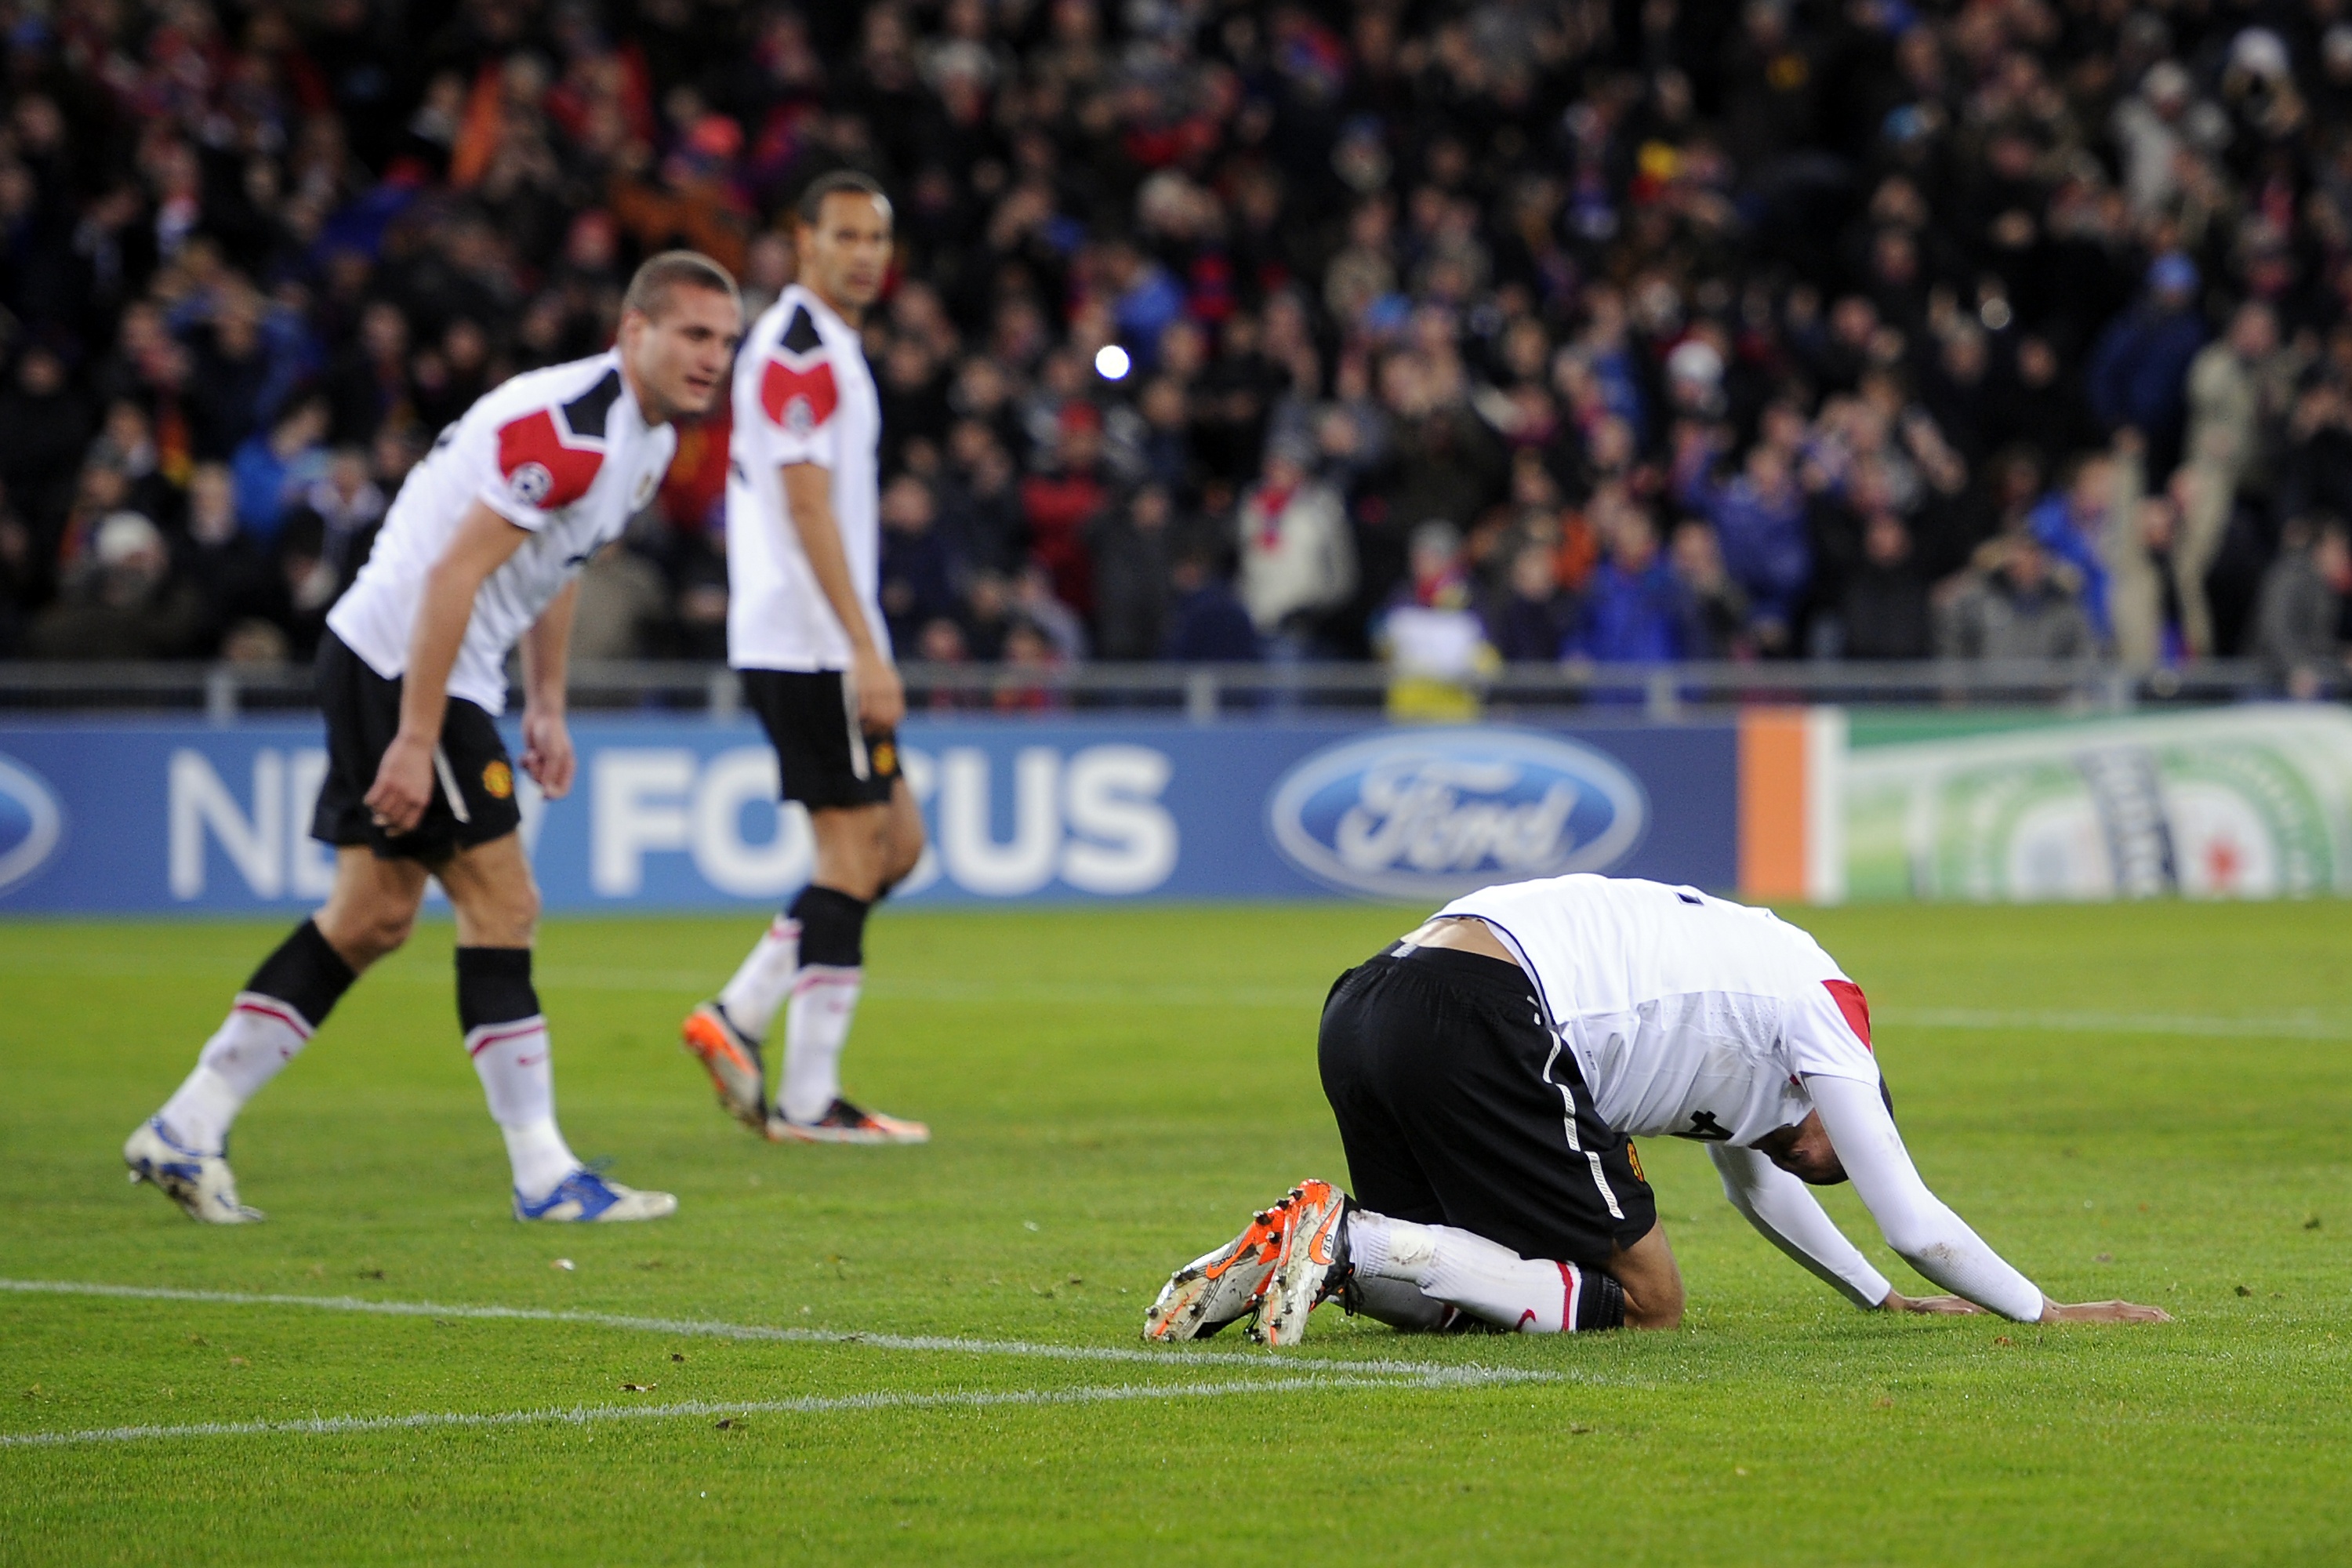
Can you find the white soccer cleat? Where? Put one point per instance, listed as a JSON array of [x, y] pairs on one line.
[[733, 1060], [1312, 1266], [202, 1185], [845, 1124], [586, 1196], [1222, 1288]]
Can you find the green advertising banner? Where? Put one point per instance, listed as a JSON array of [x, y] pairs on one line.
[[2243, 803]]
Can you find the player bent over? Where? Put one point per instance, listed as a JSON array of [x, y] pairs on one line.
[[804, 626], [1487, 1072], [481, 552]]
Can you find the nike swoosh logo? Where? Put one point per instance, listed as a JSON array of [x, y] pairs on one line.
[[1318, 1245], [531, 1061]]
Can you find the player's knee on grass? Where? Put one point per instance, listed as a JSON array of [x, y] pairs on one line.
[[1653, 1282]]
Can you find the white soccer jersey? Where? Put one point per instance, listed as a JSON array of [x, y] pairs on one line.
[[563, 453], [802, 395], [1687, 1014]]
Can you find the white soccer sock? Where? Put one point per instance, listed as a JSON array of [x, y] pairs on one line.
[[258, 1037], [1399, 1304], [816, 1026], [1484, 1278], [751, 998], [511, 1059]]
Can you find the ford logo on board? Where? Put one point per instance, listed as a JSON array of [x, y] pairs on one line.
[[1434, 813], [30, 823]]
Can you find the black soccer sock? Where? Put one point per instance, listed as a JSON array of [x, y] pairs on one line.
[[494, 987], [833, 927], [1603, 1305], [306, 972]]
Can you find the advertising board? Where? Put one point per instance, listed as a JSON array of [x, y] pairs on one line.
[[680, 813]]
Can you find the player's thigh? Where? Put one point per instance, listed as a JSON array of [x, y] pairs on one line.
[[1382, 1174], [1653, 1281], [372, 905], [1496, 1124], [494, 894]]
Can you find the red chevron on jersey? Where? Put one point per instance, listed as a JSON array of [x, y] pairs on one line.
[[798, 392], [1855, 1006], [543, 468]]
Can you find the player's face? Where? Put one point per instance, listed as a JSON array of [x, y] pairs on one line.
[[1804, 1151], [680, 358], [845, 254]]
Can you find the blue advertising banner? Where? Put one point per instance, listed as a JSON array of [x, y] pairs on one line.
[[680, 814]]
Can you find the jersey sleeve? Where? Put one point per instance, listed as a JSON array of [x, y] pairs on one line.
[[1826, 1028], [1918, 1225], [799, 398], [533, 467]]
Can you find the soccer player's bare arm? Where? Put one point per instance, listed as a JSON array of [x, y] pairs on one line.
[[546, 648], [404, 781], [808, 498]]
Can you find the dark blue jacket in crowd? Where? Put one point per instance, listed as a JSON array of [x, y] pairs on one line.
[[1208, 626], [1645, 617], [2139, 372], [1764, 544]]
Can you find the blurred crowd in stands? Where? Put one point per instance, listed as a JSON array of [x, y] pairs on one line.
[[1447, 331]]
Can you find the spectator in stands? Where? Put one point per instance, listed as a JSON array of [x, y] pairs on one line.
[[1299, 560], [1132, 544], [2138, 372], [1638, 611], [1530, 622], [1759, 525], [123, 603], [2015, 602], [1722, 623], [2238, 388], [275, 467], [1207, 622], [2299, 622], [1430, 637], [1884, 613]]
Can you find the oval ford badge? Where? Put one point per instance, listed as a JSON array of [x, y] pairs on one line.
[[1434, 813], [30, 823]]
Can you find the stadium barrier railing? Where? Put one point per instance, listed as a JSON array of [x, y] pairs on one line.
[[1205, 693]]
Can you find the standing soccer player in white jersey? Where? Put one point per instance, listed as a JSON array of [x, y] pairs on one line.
[[1488, 1072], [804, 626], [481, 552]]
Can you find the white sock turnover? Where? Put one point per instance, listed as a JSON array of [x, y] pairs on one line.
[[751, 998], [254, 1043], [1484, 1278], [520, 1082], [816, 1026]]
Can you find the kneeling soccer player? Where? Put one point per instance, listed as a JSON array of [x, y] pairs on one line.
[[482, 550], [1487, 1072]]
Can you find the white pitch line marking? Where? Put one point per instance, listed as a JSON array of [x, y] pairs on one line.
[[583, 1415], [1430, 1373]]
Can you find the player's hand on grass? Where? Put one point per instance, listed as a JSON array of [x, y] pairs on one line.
[[881, 696], [404, 784], [547, 754], [1947, 1306], [2102, 1312]]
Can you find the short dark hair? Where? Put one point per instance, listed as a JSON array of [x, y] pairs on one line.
[[811, 206], [662, 275]]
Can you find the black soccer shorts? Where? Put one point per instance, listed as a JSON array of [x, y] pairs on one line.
[[825, 757], [473, 797], [1455, 1109]]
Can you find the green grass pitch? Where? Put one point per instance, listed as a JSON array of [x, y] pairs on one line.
[[2148, 1102]]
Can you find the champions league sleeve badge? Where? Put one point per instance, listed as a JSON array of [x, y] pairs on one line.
[[530, 483]]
